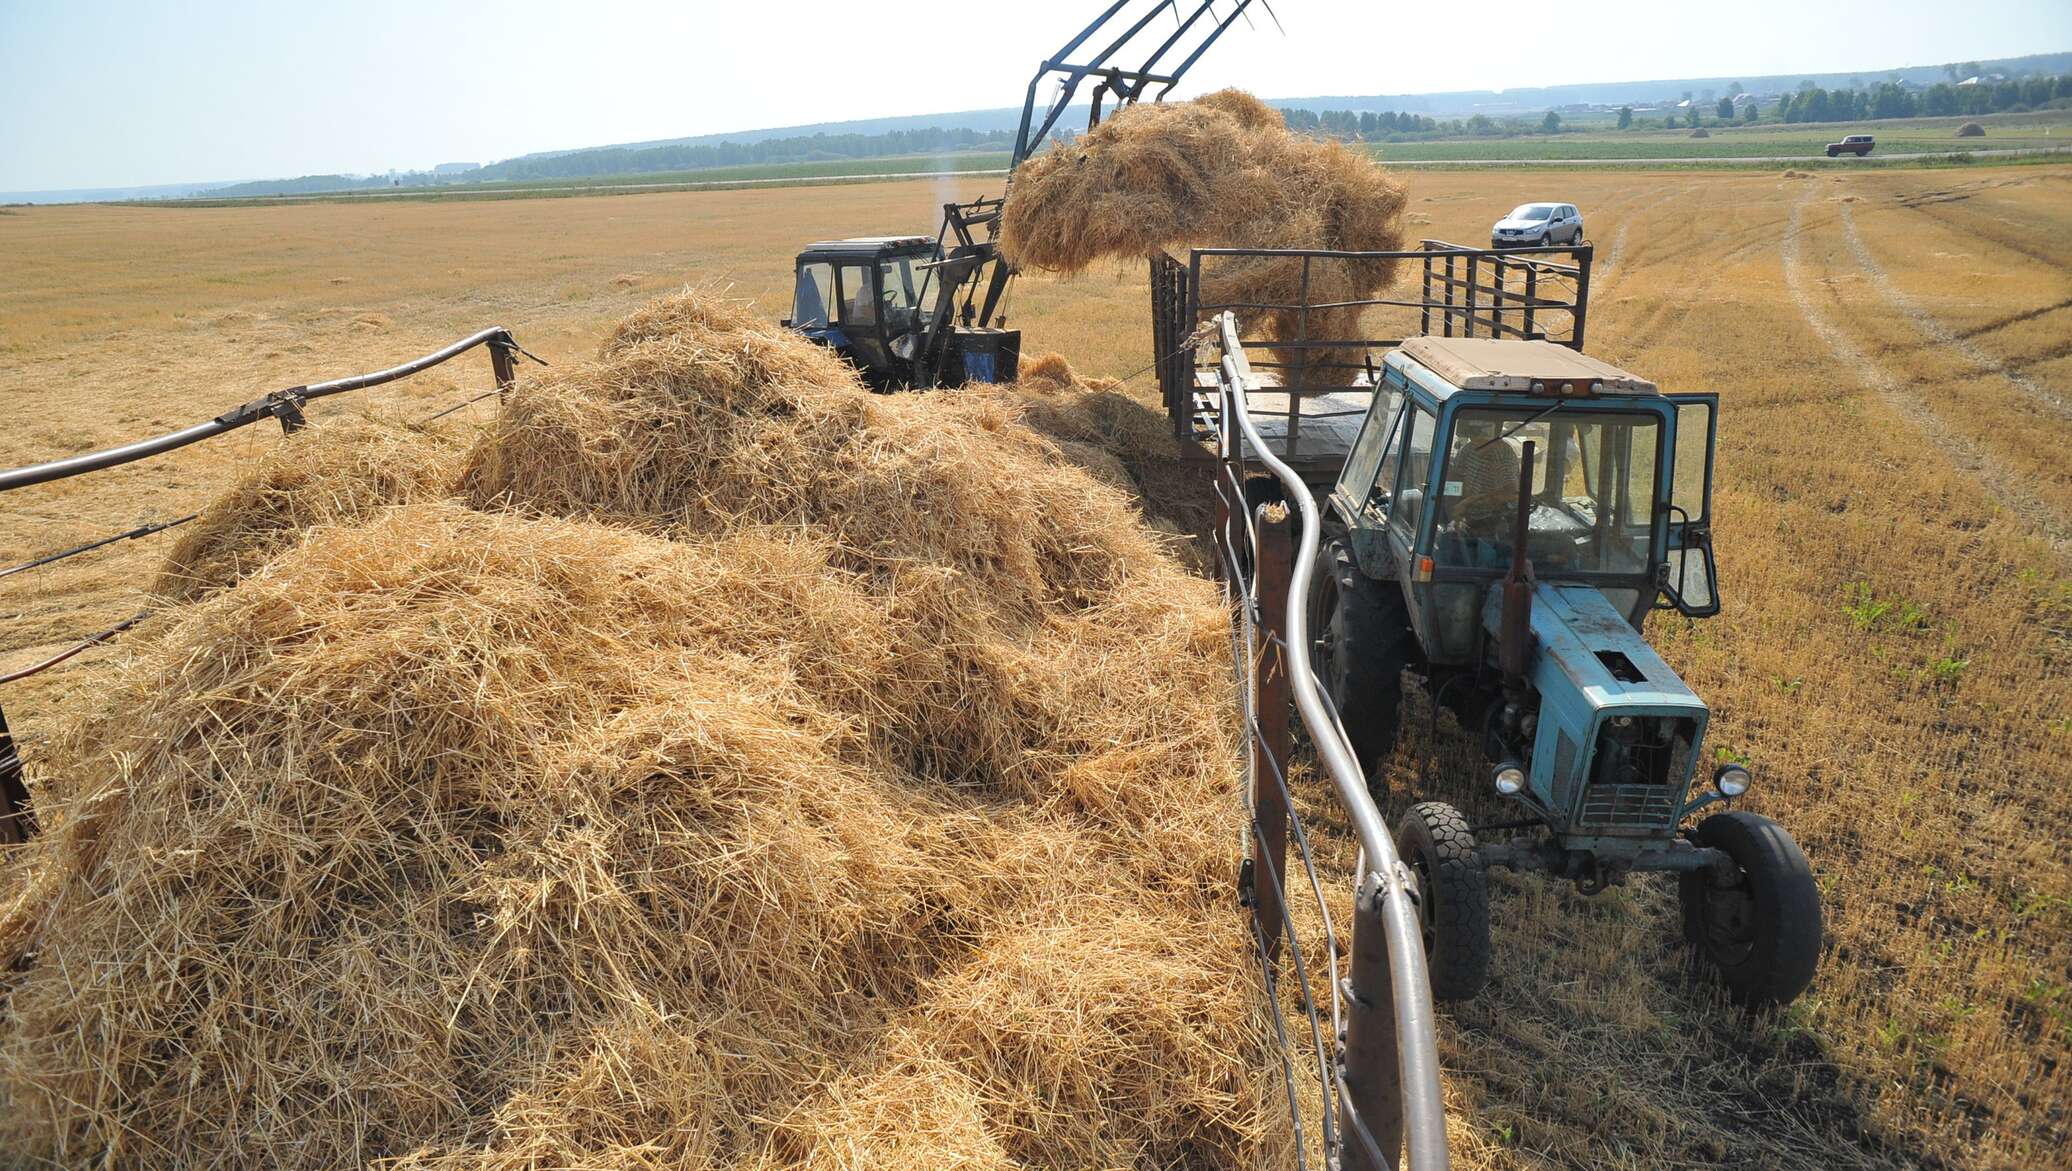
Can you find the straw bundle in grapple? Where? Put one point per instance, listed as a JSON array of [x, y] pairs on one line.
[[1221, 171], [739, 770]]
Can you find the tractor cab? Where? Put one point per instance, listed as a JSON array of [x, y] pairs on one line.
[[863, 298], [1618, 500], [878, 301]]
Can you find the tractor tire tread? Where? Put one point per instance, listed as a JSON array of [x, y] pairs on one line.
[[1378, 630], [1787, 908], [1460, 953]]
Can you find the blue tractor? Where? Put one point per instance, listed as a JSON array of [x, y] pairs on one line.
[[1508, 515]]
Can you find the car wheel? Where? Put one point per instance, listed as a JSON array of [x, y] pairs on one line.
[[1452, 897], [1763, 935], [1362, 644], [1832, 153], [1546, 239]]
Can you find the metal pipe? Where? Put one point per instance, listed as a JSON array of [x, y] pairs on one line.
[[1424, 1109], [251, 412]]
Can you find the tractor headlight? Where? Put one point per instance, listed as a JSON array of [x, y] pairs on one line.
[[1731, 780], [1510, 778]]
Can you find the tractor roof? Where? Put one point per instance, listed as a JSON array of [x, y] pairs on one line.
[[869, 245], [1508, 365]]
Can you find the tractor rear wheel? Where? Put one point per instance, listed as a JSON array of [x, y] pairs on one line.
[[1361, 642], [1763, 935], [1452, 897]]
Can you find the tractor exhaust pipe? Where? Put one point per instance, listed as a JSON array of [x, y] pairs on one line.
[[1514, 641]]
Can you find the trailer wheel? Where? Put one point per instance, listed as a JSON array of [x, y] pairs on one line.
[[1452, 897], [1764, 934], [1360, 643]]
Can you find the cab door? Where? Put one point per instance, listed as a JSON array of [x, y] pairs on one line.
[[859, 299], [1688, 578]]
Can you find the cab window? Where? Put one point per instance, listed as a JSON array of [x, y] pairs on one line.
[[859, 307], [1414, 460], [1368, 477], [1591, 501], [816, 287]]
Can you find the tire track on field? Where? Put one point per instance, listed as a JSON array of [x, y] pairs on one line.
[[1937, 331], [2003, 485], [1615, 256]]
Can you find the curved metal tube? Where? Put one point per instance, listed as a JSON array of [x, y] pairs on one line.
[[1424, 1109], [252, 412]]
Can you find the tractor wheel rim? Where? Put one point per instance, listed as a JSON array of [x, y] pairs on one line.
[[1321, 660], [1427, 914], [1730, 924]]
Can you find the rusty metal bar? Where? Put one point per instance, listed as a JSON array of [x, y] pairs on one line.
[[1369, 1072], [1301, 363], [1424, 313], [1473, 277], [17, 820], [1532, 289], [1450, 281], [1584, 255], [502, 366], [1273, 563], [83, 645]]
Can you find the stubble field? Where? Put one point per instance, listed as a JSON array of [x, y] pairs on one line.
[[1894, 351]]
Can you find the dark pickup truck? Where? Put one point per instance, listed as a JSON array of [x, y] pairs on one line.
[[1855, 144]]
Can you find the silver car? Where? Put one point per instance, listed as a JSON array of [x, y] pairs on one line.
[[1538, 225]]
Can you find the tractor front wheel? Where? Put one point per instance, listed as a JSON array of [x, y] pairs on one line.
[[1452, 897], [1763, 933]]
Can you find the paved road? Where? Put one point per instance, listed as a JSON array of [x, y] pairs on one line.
[[1794, 160]]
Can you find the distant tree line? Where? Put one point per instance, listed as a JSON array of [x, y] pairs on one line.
[[1391, 126], [800, 148], [1809, 104], [1892, 100]]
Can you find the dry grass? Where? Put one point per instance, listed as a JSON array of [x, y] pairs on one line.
[[1893, 657]]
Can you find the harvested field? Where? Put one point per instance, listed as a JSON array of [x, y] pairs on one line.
[[1893, 659]]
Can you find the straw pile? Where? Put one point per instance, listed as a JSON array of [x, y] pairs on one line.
[[1220, 171], [717, 765]]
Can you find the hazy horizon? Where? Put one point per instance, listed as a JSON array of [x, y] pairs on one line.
[[129, 95]]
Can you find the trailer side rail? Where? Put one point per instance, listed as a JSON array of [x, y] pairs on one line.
[[1378, 1075]]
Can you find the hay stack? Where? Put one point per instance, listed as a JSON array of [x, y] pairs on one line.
[[342, 472], [1220, 171], [735, 769]]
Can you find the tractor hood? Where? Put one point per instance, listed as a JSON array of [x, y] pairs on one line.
[[1619, 733], [1581, 643]]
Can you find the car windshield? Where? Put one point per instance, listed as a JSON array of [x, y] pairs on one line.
[[1593, 490], [1532, 211]]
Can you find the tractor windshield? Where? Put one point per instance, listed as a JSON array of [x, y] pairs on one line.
[[1592, 493], [903, 291]]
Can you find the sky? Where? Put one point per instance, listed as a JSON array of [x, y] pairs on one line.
[[108, 93]]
